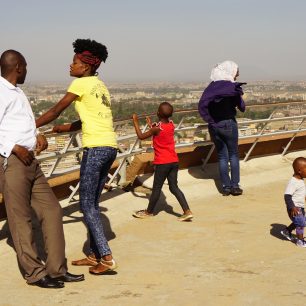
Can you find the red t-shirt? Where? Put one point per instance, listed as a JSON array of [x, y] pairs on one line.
[[164, 144]]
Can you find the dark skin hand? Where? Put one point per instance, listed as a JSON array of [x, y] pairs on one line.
[[294, 212], [23, 154], [149, 122], [61, 128], [27, 156], [151, 132], [41, 144]]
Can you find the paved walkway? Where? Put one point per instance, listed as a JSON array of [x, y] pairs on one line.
[[231, 254]]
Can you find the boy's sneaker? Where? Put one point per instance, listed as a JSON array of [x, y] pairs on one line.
[[301, 243], [287, 234], [142, 214], [185, 217]]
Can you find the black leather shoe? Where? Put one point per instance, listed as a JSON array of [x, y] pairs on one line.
[[236, 191], [226, 192], [48, 282], [68, 277]]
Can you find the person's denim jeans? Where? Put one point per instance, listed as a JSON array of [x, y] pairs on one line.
[[225, 138], [95, 165]]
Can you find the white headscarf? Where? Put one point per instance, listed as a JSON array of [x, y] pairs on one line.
[[225, 71]]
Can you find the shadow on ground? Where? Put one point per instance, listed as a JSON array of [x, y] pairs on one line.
[[209, 172], [68, 212], [161, 205], [276, 229]]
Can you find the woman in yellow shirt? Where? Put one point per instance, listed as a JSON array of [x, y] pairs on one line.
[[92, 102]]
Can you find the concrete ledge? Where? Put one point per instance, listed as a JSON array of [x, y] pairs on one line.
[[188, 156], [193, 155]]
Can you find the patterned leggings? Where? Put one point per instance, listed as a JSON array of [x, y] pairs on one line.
[[95, 165]]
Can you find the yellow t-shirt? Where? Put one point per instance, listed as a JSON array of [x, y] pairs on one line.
[[93, 107]]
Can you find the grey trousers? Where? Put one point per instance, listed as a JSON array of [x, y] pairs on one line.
[[23, 188]]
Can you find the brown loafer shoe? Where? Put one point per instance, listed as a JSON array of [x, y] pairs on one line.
[[103, 266], [90, 260]]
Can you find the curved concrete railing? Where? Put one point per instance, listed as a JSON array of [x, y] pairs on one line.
[[64, 145], [61, 161]]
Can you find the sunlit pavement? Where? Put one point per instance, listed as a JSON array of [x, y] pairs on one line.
[[232, 253]]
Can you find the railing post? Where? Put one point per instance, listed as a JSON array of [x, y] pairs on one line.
[[122, 173], [123, 161], [292, 138], [64, 150], [205, 161], [74, 190], [179, 125], [256, 140]]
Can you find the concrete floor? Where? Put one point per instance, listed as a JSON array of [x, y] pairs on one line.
[[230, 254]]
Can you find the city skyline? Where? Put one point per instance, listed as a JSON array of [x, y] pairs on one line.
[[174, 41]]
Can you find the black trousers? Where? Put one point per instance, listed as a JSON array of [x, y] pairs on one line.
[[169, 172]]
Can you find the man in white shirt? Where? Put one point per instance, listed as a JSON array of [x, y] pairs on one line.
[[24, 185]]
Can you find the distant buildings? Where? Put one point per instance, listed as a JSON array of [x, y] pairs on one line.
[[182, 96]]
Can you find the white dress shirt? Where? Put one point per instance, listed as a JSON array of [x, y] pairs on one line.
[[17, 122]]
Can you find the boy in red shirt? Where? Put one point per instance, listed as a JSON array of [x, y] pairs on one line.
[[165, 160]]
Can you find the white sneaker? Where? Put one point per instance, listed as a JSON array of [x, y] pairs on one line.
[[301, 243], [287, 234]]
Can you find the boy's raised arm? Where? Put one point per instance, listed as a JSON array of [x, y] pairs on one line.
[[151, 132]]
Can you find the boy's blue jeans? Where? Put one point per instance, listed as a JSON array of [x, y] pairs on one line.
[[298, 221], [225, 137], [95, 165]]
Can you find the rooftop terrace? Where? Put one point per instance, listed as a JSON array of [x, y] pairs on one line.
[[230, 254]]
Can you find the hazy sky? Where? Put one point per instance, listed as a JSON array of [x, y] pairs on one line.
[[160, 40]]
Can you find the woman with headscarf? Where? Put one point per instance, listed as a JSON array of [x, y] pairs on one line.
[[92, 102], [217, 107]]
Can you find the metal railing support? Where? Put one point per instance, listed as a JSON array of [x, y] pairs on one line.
[[64, 150], [123, 161], [74, 190], [180, 124], [292, 138], [256, 140], [205, 161], [73, 145]]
